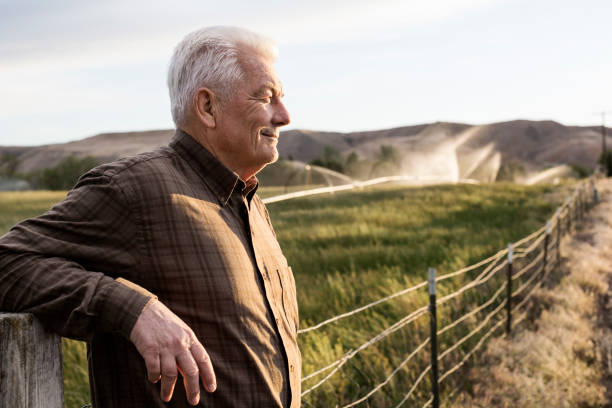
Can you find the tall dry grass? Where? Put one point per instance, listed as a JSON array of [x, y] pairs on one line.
[[562, 356]]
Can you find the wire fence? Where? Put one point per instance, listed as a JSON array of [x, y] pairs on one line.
[[495, 298]]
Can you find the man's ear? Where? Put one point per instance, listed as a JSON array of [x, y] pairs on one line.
[[204, 102]]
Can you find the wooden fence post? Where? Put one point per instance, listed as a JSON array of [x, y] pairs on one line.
[[30, 364]]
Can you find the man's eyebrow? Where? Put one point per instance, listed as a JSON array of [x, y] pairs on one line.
[[269, 87]]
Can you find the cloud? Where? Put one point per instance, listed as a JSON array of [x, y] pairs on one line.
[[48, 35]]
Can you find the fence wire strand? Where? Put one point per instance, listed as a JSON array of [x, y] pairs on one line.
[[428, 403], [476, 282], [362, 308], [529, 237], [534, 245], [493, 258], [527, 267], [386, 381], [394, 327], [473, 312], [527, 282], [416, 383], [474, 331], [478, 345]]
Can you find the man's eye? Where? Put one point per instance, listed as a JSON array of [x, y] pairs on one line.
[[266, 99]]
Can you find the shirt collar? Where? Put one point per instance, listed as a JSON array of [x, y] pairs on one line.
[[219, 178]]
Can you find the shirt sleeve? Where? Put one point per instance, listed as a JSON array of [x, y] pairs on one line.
[[62, 266]]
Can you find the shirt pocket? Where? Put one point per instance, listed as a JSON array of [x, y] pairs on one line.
[[290, 305]]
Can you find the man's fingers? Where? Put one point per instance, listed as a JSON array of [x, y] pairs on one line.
[[191, 380], [168, 376], [153, 367], [205, 366]]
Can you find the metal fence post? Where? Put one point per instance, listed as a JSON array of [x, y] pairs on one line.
[[509, 292], [582, 202], [580, 209], [569, 216], [546, 237], [434, 338], [559, 226]]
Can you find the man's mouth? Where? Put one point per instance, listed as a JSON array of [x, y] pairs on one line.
[[269, 133]]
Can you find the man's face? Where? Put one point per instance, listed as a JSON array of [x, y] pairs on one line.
[[248, 124]]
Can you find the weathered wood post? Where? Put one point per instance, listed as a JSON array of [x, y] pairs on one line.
[[30, 364]]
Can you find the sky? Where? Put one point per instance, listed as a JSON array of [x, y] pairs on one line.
[[73, 69]]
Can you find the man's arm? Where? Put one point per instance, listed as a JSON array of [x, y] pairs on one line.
[[62, 267]]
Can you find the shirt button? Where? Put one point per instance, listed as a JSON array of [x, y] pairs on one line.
[[277, 322], [291, 368]]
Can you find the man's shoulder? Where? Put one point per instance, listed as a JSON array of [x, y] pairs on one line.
[[137, 165], [136, 175]]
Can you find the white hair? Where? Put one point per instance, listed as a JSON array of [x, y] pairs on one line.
[[209, 58]]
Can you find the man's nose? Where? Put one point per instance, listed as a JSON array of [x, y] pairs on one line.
[[281, 115]]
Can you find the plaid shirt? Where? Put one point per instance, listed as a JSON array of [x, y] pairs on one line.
[[176, 222]]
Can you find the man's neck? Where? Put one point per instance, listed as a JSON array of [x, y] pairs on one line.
[[204, 140]]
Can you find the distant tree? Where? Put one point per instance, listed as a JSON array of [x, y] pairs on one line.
[[356, 167], [388, 161], [606, 161], [580, 170], [351, 159], [390, 154], [8, 164], [510, 172], [330, 159], [64, 175]]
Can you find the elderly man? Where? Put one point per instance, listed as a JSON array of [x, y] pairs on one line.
[[166, 262]]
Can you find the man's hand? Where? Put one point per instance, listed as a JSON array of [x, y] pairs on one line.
[[169, 346]]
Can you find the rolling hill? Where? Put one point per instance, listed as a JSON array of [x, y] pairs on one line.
[[519, 150]]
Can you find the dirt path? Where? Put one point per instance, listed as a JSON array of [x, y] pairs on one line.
[[562, 356]]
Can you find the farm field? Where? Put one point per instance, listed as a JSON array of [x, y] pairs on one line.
[[351, 248]]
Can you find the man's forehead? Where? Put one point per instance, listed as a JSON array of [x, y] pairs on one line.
[[261, 76]]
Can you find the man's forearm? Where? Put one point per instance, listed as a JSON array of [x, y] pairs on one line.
[[66, 298]]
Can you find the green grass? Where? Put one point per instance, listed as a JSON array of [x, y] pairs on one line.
[[350, 248], [19, 205]]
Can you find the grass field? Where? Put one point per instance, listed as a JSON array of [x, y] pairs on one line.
[[350, 248]]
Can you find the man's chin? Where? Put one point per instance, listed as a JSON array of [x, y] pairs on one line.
[[272, 155]]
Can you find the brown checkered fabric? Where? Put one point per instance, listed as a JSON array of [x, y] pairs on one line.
[[176, 222]]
